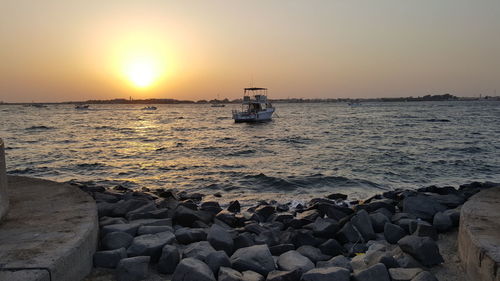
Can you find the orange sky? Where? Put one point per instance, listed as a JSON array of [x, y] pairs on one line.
[[60, 50]]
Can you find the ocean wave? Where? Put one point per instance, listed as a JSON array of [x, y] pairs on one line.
[[312, 181], [241, 152], [91, 166], [296, 140], [437, 120], [29, 170], [39, 128]]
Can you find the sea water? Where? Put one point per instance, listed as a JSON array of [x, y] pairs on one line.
[[307, 150]]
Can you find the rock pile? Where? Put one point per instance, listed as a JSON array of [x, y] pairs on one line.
[[390, 236]]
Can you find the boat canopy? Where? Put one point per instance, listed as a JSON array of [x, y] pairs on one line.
[[255, 89]]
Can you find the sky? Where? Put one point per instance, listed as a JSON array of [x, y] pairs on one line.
[[65, 50]]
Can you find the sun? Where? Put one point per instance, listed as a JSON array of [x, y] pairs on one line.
[[142, 71]]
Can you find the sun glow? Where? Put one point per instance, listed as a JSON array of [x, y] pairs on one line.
[[143, 60], [142, 71]]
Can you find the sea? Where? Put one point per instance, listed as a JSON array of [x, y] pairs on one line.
[[307, 150]]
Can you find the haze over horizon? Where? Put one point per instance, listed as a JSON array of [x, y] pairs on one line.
[[58, 50]]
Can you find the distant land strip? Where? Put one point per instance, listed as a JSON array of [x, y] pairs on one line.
[[444, 97]]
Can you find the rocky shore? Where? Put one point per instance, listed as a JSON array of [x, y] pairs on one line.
[[390, 236]]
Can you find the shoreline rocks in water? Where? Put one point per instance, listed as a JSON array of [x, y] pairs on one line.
[[390, 236]]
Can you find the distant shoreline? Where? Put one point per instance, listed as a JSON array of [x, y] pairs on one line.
[[445, 97]]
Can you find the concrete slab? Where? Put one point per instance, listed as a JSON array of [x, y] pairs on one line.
[[50, 226], [22, 275], [479, 236], [4, 196]]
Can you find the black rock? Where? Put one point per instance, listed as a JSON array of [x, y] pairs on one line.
[[153, 222], [149, 207], [406, 261], [380, 256], [293, 260], [404, 274], [216, 260], [282, 208], [229, 274], [325, 227], [211, 206], [326, 274], [442, 222], [187, 235], [313, 253], [220, 239], [407, 224], [280, 275], [373, 205], [254, 228], [424, 276], [156, 214], [116, 240], [264, 211], [170, 257], [190, 269], [393, 233], [110, 258], [335, 212], [449, 200], [234, 206], [186, 217], [153, 229], [121, 208], [424, 207], [249, 275], [308, 216], [132, 269], [281, 248], [268, 237], [304, 237], [362, 222], [454, 215], [256, 258], [348, 234], [243, 240], [150, 244], [130, 228], [338, 261], [424, 249], [378, 221], [384, 212], [227, 217], [198, 250], [377, 272], [414, 225], [103, 221], [355, 248], [425, 230], [331, 247], [335, 196]]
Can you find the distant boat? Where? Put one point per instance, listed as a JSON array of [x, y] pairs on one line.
[[37, 105], [354, 104], [149, 108], [82, 106], [256, 109], [217, 103]]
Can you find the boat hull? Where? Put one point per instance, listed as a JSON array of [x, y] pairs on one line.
[[261, 116]]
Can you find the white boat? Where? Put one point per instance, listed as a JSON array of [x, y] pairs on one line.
[[82, 106], [149, 108], [256, 109]]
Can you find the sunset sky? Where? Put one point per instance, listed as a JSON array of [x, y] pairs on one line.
[[61, 50]]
